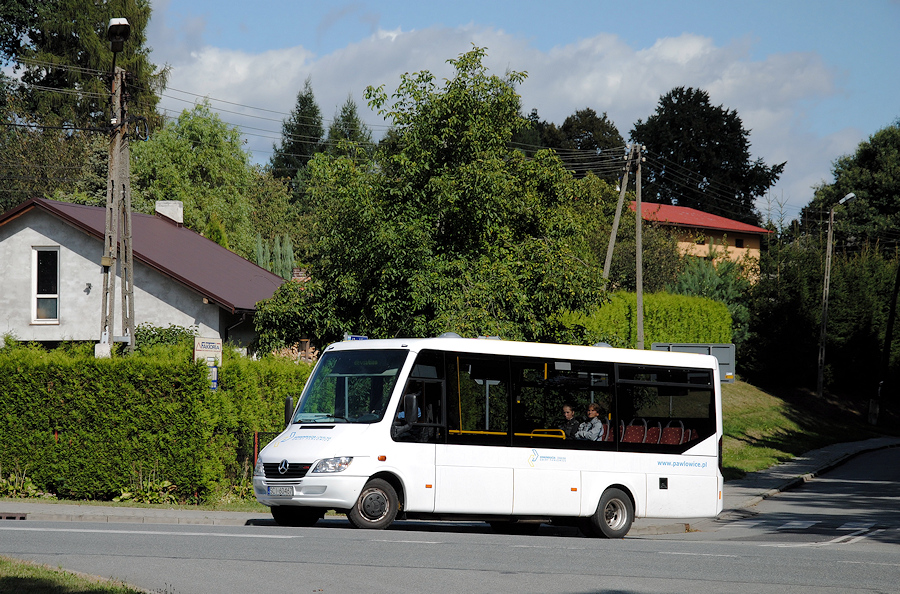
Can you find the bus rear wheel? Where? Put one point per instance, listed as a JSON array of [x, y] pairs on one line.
[[614, 514], [292, 515], [376, 507]]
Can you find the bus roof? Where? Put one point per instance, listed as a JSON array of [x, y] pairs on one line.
[[488, 346]]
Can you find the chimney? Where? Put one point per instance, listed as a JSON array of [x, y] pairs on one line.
[[171, 209]]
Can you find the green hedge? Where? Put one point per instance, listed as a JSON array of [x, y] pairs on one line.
[[667, 318], [87, 428]]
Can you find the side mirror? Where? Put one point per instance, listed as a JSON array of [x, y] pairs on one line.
[[410, 408], [288, 410]]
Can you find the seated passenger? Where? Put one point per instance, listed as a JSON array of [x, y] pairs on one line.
[[592, 429], [570, 423]]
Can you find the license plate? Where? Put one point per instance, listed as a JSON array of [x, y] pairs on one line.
[[281, 491]]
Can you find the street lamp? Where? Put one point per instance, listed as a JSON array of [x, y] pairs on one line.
[[822, 333]]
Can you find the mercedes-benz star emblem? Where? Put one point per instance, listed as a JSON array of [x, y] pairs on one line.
[[283, 466]]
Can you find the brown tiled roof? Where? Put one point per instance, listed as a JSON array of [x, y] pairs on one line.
[[214, 272]]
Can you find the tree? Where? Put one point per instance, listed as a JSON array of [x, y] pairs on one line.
[[54, 120], [348, 134], [301, 136], [451, 231], [873, 174], [698, 155], [199, 160], [66, 60], [592, 143], [65, 165], [19, 22], [721, 279]]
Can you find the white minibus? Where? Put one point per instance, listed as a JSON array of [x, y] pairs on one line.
[[455, 428]]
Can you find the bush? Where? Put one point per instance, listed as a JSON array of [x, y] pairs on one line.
[[83, 425], [667, 318]]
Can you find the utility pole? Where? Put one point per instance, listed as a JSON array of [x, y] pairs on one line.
[[629, 162], [638, 256], [633, 161], [823, 332], [118, 207]]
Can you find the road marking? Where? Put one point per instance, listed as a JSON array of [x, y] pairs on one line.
[[696, 554], [154, 532], [857, 526], [410, 541], [796, 525], [859, 534]]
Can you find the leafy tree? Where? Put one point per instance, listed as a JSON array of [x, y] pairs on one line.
[[348, 134], [301, 136], [873, 174], [698, 155], [661, 257], [65, 165], [451, 231], [199, 160]]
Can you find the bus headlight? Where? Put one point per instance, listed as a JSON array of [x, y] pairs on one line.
[[333, 464], [258, 470]]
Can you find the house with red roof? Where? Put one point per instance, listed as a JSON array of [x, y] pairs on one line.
[[51, 280], [700, 233]]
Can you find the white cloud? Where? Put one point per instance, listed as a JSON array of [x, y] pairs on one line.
[[602, 72]]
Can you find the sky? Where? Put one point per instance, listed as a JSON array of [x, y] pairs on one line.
[[810, 79]]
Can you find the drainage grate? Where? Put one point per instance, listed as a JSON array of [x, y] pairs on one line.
[[6, 516]]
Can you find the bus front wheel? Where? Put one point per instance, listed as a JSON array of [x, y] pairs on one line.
[[614, 514], [376, 506]]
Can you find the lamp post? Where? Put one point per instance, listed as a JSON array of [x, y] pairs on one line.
[[820, 380], [118, 208]]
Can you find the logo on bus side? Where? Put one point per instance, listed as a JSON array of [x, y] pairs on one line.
[[537, 457]]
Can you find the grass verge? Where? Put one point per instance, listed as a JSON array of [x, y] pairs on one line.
[[24, 577], [763, 428]]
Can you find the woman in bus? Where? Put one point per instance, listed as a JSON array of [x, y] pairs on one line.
[[592, 429], [570, 424]]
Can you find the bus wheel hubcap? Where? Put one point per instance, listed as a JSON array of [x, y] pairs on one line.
[[374, 505], [615, 514]]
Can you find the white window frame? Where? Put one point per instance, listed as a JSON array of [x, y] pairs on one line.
[[35, 250]]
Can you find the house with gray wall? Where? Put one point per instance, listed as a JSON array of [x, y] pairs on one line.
[[51, 280]]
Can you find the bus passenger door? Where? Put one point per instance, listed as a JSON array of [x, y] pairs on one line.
[[474, 467]]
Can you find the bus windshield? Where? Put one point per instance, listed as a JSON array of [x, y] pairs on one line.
[[350, 387]]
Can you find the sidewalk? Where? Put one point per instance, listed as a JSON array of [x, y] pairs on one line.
[[739, 494]]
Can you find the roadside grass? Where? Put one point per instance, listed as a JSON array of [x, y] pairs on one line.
[[763, 429], [24, 577]]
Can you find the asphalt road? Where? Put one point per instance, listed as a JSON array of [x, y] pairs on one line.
[[837, 533]]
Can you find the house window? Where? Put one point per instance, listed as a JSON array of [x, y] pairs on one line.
[[738, 243], [46, 286]]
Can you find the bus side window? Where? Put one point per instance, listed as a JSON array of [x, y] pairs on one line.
[[477, 399]]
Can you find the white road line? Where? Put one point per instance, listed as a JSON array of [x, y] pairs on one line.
[[696, 554], [838, 540], [410, 541], [155, 532], [857, 526], [796, 525]]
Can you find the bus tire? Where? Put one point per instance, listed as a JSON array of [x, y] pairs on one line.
[[292, 515], [614, 514], [376, 507]]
